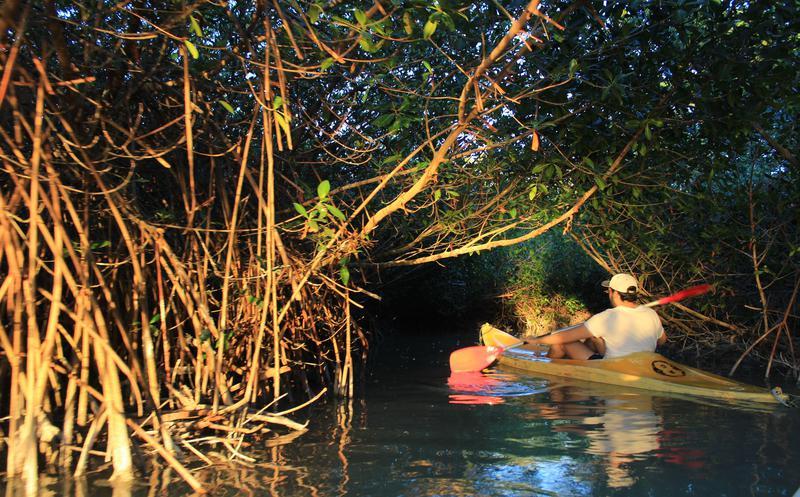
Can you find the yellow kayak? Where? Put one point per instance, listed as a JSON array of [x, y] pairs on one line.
[[646, 370]]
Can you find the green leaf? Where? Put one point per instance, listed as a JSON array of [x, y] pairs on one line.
[[437, 194], [384, 120], [365, 42], [573, 67], [277, 102], [601, 183], [156, 318], [227, 106], [323, 189], [300, 210], [283, 123], [377, 46], [532, 193], [513, 213], [326, 64], [344, 275], [313, 226], [336, 213], [448, 21], [429, 29], [361, 17], [192, 49], [196, 27], [392, 158], [314, 12], [548, 172]]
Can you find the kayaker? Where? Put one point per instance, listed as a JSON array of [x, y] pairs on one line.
[[624, 329]]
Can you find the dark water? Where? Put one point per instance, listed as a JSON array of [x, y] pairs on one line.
[[506, 434]]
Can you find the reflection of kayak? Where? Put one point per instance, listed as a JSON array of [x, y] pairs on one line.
[[646, 370]]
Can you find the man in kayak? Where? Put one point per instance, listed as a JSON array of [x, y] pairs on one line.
[[624, 329]]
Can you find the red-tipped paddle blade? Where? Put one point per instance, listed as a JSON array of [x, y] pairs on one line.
[[684, 294], [475, 358]]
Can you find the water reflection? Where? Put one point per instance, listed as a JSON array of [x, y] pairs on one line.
[[473, 388], [52, 486], [490, 387], [413, 436], [621, 428]]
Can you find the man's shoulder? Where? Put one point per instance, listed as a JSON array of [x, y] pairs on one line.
[[638, 313], [602, 314], [647, 310], [639, 308]]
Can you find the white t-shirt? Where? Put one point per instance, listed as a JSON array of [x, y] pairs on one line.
[[626, 330]]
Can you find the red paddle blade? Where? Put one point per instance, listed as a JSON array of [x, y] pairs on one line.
[[473, 358], [683, 294]]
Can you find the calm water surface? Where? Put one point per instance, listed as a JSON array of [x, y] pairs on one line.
[[418, 433]]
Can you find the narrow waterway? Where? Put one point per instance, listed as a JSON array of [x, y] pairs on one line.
[[416, 432]]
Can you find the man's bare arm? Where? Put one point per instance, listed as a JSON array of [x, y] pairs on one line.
[[564, 335]]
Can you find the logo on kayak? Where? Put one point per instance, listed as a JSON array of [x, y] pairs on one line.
[[666, 369]]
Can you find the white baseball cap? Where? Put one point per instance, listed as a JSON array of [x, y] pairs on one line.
[[622, 282]]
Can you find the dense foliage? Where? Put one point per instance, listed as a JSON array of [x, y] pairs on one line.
[[196, 195]]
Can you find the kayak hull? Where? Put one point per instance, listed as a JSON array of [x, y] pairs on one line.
[[646, 370]]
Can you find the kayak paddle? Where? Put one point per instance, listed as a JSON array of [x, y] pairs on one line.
[[478, 357], [475, 358], [678, 296]]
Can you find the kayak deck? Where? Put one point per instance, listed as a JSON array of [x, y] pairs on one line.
[[646, 370]]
